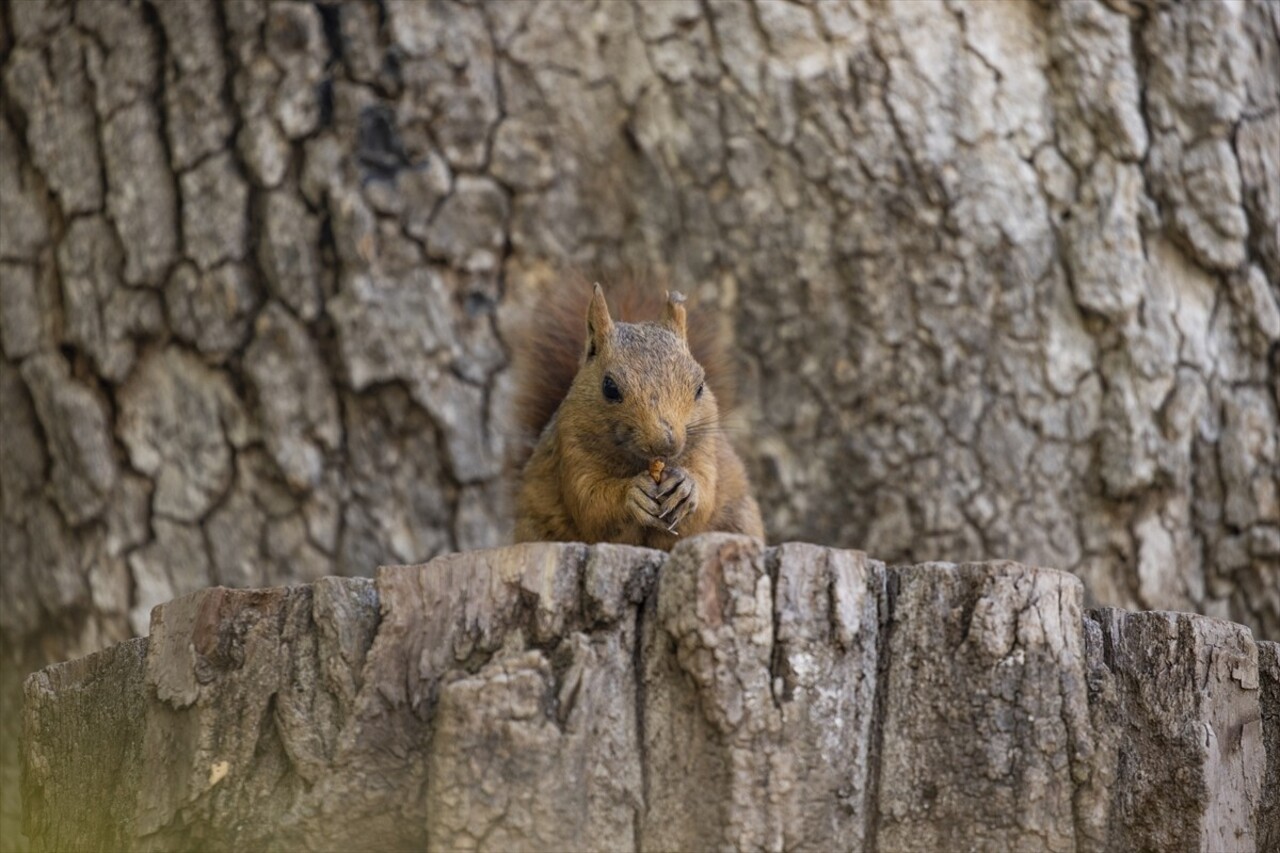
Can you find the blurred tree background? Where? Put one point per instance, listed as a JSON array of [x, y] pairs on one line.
[[1003, 278]]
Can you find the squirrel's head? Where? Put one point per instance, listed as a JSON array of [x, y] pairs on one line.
[[642, 385]]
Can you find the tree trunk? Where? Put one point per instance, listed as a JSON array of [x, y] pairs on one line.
[[560, 697], [1003, 275]]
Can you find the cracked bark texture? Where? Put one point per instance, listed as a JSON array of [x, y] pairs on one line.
[[725, 696], [1003, 276]]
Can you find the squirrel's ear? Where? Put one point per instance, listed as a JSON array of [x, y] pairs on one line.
[[599, 323], [673, 314]]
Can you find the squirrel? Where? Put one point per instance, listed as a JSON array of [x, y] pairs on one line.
[[630, 445]]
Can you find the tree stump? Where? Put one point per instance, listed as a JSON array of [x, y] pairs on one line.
[[725, 696]]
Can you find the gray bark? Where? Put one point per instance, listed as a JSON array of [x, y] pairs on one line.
[[1269, 818], [725, 696], [1004, 278]]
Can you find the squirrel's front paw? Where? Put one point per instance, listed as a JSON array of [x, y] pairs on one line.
[[678, 497], [642, 502]]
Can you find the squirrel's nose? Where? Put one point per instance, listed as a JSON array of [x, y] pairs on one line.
[[666, 443]]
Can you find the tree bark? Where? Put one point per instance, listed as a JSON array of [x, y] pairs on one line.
[[1003, 275], [560, 697]]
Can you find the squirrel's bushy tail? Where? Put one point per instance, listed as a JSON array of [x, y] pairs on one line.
[[547, 346]]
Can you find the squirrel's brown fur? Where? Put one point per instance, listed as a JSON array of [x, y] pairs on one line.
[[587, 476]]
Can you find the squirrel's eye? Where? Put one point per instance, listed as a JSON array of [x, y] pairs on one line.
[[610, 389], [697, 395]]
